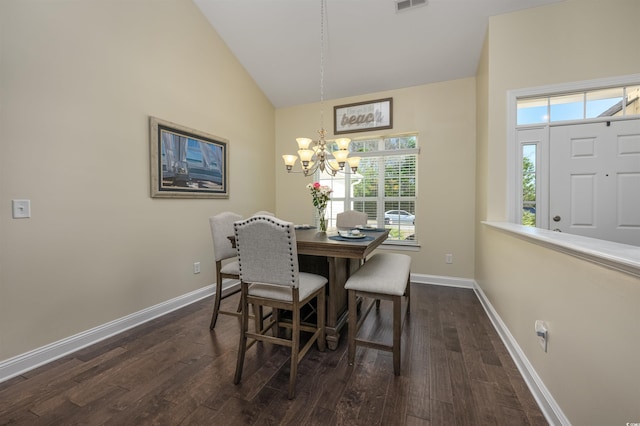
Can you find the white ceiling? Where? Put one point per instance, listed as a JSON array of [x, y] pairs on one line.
[[368, 47]]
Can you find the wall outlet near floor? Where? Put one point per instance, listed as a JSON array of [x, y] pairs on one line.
[[448, 258], [196, 268], [21, 208], [541, 333]]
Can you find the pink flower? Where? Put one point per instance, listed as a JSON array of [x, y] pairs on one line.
[[316, 185]]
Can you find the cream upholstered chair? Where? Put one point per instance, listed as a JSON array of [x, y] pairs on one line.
[[221, 228], [351, 219], [269, 276]]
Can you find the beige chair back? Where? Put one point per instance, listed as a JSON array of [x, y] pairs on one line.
[[351, 219], [267, 251], [221, 228]]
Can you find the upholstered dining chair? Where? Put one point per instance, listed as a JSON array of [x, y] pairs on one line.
[[351, 219], [225, 258], [269, 276]]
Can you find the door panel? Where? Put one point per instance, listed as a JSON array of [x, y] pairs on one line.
[[583, 200], [595, 180], [629, 200], [629, 145]]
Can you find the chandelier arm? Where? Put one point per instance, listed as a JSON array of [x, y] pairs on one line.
[[311, 170]]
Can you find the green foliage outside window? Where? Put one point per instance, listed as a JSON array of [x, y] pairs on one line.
[[390, 169], [528, 192]]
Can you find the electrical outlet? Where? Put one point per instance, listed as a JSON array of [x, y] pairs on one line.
[[196, 268], [21, 208], [541, 333], [448, 258]]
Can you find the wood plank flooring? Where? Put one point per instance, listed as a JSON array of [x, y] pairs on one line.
[[174, 371]]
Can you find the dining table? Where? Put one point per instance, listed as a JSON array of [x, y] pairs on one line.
[[335, 257]]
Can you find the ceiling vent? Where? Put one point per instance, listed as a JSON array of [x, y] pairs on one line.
[[402, 5]]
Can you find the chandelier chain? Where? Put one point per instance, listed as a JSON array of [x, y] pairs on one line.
[[315, 155], [322, 2]]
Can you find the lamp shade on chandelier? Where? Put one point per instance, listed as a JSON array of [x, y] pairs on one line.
[[314, 155]]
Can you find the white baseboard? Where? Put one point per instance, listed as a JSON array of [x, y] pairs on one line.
[[551, 410], [15, 366], [442, 280]]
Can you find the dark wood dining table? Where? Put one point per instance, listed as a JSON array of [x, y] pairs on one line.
[[336, 259]]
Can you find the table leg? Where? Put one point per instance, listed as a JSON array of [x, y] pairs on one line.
[[337, 271], [336, 299]]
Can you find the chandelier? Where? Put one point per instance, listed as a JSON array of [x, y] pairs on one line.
[[314, 155]]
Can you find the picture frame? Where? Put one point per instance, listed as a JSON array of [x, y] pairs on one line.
[[187, 163], [363, 116]]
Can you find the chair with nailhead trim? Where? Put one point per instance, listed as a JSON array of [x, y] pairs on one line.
[[269, 276]]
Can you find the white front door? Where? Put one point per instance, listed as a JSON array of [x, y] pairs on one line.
[[595, 180]]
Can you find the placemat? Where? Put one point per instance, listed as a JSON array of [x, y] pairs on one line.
[[371, 229], [351, 240]]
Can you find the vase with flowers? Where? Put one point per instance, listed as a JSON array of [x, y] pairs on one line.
[[320, 195]]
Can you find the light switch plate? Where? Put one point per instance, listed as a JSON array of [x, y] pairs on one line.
[[21, 208]]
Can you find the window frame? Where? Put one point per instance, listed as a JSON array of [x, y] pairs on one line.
[[514, 145], [380, 199]]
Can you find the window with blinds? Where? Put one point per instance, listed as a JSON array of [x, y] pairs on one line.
[[385, 186]]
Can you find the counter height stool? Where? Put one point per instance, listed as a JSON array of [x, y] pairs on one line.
[[351, 219], [269, 276], [225, 257], [384, 276]]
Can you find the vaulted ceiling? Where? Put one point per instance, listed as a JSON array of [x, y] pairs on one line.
[[368, 45]]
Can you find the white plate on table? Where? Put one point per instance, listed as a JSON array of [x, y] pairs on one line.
[[366, 227], [353, 237]]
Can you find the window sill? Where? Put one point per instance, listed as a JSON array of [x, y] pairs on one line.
[[398, 246], [621, 257]]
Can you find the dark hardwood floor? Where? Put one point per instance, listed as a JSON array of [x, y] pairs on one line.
[[174, 371]]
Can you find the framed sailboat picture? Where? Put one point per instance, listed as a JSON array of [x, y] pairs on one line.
[[187, 163]]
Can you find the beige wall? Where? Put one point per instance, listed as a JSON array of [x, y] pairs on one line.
[[443, 115], [590, 368], [78, 81]]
